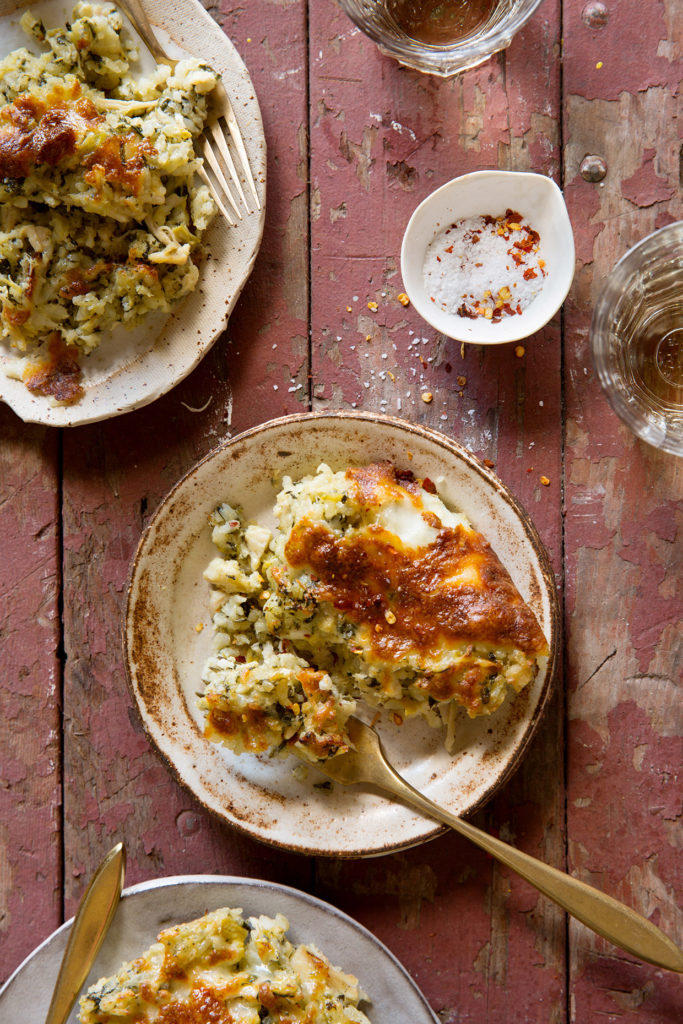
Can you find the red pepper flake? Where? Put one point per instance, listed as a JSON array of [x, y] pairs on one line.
[[529, 274], [464, 310], [428, 486]]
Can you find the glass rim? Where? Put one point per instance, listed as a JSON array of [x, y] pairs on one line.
[[631, 410], [458, 54]]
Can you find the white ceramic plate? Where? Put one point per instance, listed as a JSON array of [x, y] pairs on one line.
[[540, 202], [132, 368], [147, 908], [166, 645]]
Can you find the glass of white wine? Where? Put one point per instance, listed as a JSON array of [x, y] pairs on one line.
[[637, 338], [440, 37]]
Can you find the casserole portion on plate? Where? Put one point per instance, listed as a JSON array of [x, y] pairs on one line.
[[101, 214], [225, 968], [370, 588]]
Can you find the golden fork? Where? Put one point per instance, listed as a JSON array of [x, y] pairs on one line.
[[220, 106], [616, 922]]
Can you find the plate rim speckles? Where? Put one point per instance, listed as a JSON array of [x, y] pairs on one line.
[[130, 369], [167, 637], [148, 907]]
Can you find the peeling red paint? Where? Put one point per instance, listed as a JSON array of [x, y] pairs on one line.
[[646, 187], [628, 54]]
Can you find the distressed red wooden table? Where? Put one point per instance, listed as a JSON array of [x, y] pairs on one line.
[[355, 142]]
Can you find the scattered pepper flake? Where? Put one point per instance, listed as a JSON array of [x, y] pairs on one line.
[[461, 381], [390, 617], [398, 720], [519, 351], [545, 481], [403, 299], [598, 65], [373, 306], [489, 464], [199, 627], [391, 376], [368, 337], [427, 397], [348, 309]]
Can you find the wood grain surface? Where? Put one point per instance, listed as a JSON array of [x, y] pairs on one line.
[[354, 143]]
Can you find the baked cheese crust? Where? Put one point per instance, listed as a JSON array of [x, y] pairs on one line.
[[372, 589], [226, 969]]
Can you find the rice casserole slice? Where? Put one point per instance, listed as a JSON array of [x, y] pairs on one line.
[[370, 589], [101, 213], [226, 969]]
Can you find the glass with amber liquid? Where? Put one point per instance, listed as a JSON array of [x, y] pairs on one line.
[[637, 338], [440, 37]]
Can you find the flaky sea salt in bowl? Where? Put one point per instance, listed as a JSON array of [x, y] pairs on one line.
[[489, 257]]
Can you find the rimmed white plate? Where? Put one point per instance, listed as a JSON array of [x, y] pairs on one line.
[[132, 368], [147, 908], [168, 637]]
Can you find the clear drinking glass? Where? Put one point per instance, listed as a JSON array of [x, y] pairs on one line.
[[374, 18], [637, 338]]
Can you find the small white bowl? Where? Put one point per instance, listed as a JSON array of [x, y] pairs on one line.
[[540, 202]]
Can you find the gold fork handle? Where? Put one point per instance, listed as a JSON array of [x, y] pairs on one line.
[[138, 18], [608, 917]]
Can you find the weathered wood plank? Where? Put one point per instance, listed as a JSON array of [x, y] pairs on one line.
[[30, 696], [115, 474], [622, 541], [382, 138]]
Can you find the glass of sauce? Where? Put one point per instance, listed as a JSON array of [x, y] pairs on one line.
[[637, 338], [440, 37]]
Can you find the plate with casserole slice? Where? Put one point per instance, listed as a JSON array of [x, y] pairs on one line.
[[328, 565], [200, 948], [117, 269]]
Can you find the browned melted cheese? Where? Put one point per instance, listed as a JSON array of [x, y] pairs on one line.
[[381, 481], [250, 724], [370, 578], [45, 130], [119, 160], [201, 1007], [59, 375]]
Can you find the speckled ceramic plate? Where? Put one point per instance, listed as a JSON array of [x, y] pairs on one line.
[[132, 368], [168, 637], [147, 908]]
